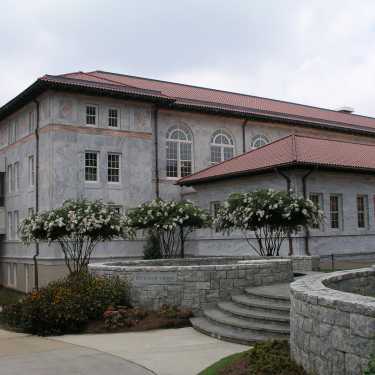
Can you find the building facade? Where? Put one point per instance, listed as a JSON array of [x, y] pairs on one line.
[[127, 140]]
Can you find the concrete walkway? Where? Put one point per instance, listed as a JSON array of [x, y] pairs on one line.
[[31, 355], [181, 351]]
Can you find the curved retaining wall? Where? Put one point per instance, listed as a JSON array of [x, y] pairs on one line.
[[195, 285], [332, 329]]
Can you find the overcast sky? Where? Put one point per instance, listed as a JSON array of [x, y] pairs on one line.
[[315, 52]]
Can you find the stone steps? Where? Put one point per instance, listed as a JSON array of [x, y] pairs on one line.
[[260, 304], [259, 314], [248, 325], [227, 334], [243, 312]]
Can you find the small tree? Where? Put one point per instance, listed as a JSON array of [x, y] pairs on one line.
[[171, 221], [269, 214], [77, 226]]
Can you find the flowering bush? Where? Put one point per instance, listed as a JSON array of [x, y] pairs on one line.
[[77, 226], [271, 215], [171, 221], [67, 305]]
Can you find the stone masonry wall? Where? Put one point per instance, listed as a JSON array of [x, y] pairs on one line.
[[194, 286], [332, 331]]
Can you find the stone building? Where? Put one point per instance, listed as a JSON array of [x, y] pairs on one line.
[[128, 139]]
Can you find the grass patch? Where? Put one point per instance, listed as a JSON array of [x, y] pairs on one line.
[[9, 296], [217, 367], [267, 358]]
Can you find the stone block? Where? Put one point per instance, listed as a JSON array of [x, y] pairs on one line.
[[361, 325]]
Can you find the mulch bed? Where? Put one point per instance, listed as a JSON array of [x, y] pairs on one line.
[[152, 321]]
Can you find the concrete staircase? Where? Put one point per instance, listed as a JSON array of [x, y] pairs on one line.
[[259, 314]]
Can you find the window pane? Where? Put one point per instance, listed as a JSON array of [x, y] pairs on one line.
[[228, 153], [185, 168], [90, 115], [362, 211], [172, 168], [215, 154], [334, 211], [91, 166], [113, 168], [113, 118]]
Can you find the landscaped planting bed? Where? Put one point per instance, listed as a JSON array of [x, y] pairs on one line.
[[268, 358]]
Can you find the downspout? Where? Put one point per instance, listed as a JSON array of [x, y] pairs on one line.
[[244, 136], [288, 186], [304, 192], [36, 273], [156, 146]]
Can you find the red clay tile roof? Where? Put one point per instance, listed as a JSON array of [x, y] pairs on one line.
[[293, 150], [186, 97], [191, 96]]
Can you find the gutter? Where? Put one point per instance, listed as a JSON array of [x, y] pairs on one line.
[[244, 135], [36, 273], [304, 192], [156, 148]]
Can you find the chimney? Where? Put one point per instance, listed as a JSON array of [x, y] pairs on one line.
[[345, 109]]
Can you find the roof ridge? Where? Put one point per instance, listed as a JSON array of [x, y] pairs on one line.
[[235, 157], [90, 74], [236, 93]]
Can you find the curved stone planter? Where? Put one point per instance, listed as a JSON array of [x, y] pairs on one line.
[[332, 329], [195, 282]]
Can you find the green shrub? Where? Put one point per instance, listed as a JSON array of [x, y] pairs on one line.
[[371, 366], [67, 305], [152, 249], [273, 358]]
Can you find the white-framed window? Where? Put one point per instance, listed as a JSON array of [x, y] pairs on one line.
[[335, 209], [16, 172], [91, 166], [10, 226], [30, 211], [179, 152], [258, 141], [113, 117], [31, 171], [91, 114], [10, 178], [12, 132], [317, 199], [222, 147], [362, 211], [113, 167], [31, 121], [16, 219]]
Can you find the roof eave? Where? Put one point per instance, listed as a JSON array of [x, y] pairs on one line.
[[291, 165], [257, 115], [41, 85]]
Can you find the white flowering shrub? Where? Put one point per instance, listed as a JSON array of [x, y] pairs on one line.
[[171, 221], [270, 215], [77, 226]]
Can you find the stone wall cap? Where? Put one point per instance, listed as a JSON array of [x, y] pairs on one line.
[[312, 289]]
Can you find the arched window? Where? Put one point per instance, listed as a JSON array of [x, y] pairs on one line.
[[258, 141], [179, 152], [222, 147]]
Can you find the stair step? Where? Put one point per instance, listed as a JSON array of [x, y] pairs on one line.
[[221, 332], [260, 304], [247, 312], [278, 292], [220, 317]]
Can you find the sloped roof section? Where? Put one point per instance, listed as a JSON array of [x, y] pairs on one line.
[[187, 97], [293, 150]]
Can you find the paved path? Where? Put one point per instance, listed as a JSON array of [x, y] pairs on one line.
[[181, 351], [31, 355]]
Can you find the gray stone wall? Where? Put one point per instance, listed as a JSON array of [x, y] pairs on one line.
[[193, 286], [332, 331]]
